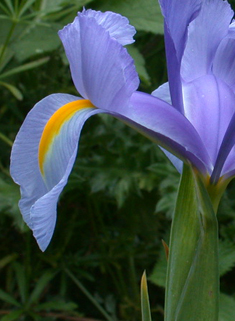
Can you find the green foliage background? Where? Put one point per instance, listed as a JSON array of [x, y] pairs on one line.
[[118, 204]]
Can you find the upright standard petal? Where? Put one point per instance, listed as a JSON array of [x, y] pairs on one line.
[[101, 68], [177, 16], [204, 37], [42, 174], [225, 162], [224, 62], [209, 106]]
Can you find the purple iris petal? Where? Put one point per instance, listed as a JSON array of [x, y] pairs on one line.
[[102, 70], [24, 156], [226, 154], [224, 62], [39, 195], [117, 26], [200, 57], [173, 70], [209, 106], [204, 35], [178, 15], [163, 92], [169, 128]]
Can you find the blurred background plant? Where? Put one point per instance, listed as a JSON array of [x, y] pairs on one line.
[[118, 204]]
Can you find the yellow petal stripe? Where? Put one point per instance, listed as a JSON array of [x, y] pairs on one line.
[[54, 125]]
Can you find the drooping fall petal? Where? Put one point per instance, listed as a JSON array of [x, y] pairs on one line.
[[40, 191]]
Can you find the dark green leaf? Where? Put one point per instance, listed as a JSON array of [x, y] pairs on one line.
[[39, 39], [14, 315], [8, 259], [57, 306], [21, 281], [144, 15], [226, 256], [227, 308], [8, 298], [30, 65], [158, 275], [15, 91], [139, 63], [9, 198], [40, 286]]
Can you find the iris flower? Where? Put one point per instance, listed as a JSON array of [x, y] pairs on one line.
[[191, 117]]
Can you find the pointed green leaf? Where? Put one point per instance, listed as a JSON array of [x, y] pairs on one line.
[[145, 307], [39, 39], [40, 286], [6, 57], [8, 259], [14, 315], [8, 298], [15, 92], [25, 6], [48, 6], [21, 281], [158, 275], [88, 295], [57, 305], [9, 198], [4, 9], [5, 139], [10, 6], [226, 256], [30, 65]]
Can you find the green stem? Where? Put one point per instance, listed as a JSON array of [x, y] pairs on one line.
[[6, 140], [192, 288], [7, 40], [88, 295], [134, 286]]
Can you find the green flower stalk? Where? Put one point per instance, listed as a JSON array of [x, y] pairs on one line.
[[192, 286]]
